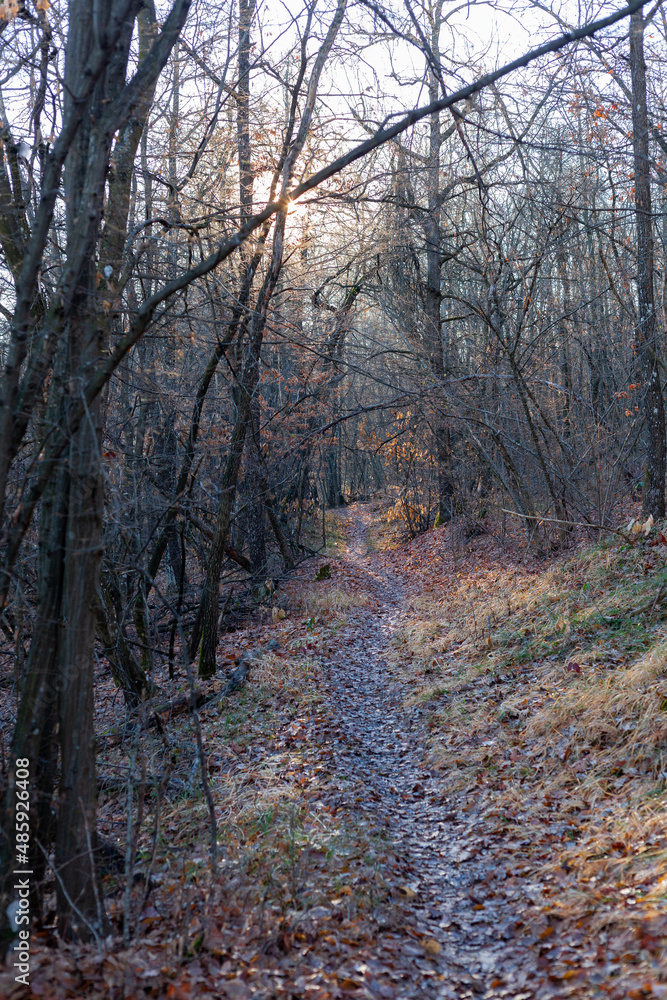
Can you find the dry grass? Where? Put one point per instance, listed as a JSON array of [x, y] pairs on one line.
[[576, 662], [334, 533], [546, 694], [387, 529], [328, 598], [285, 846], [621, 713], [293, 679]]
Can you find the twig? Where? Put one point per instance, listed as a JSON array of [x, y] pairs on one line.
[[197, 728], [650, 606], [129, 841], [571, 524], [657, 598], [202, 764], [70, 902], [99, 905], [221, 617]]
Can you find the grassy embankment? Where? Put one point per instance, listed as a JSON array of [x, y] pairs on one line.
[[545, 687]]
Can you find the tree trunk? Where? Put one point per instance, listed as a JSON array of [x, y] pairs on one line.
[[34, 736], [654, 412], [97, 104], [80, 907], [206, 624], [433, 332], [127, 673], [255, 513]]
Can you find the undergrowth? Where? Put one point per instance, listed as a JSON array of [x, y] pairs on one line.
[[546, 695]]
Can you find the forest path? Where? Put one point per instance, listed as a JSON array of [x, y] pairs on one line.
[[455, 945]]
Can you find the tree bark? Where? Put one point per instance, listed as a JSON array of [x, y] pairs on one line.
[[255, 514], [654, 412], [98, 102], [433, 331], [206, 624]]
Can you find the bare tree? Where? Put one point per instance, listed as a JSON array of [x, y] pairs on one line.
[[88, 282], [654, 412]]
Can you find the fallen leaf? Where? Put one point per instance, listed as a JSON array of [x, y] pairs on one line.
[[407, 892]]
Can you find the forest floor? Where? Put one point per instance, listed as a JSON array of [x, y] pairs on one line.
[[446, 777]]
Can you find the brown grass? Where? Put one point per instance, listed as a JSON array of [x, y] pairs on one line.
[[546, 693], [328, 598]]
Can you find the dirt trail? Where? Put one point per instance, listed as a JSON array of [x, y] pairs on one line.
[[350, 866], [381, 746]]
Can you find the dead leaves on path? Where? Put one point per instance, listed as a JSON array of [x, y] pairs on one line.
[[296, 908], [313, 903], [556, 758]]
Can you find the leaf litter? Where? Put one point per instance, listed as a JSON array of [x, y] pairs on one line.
[[417, 794]]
